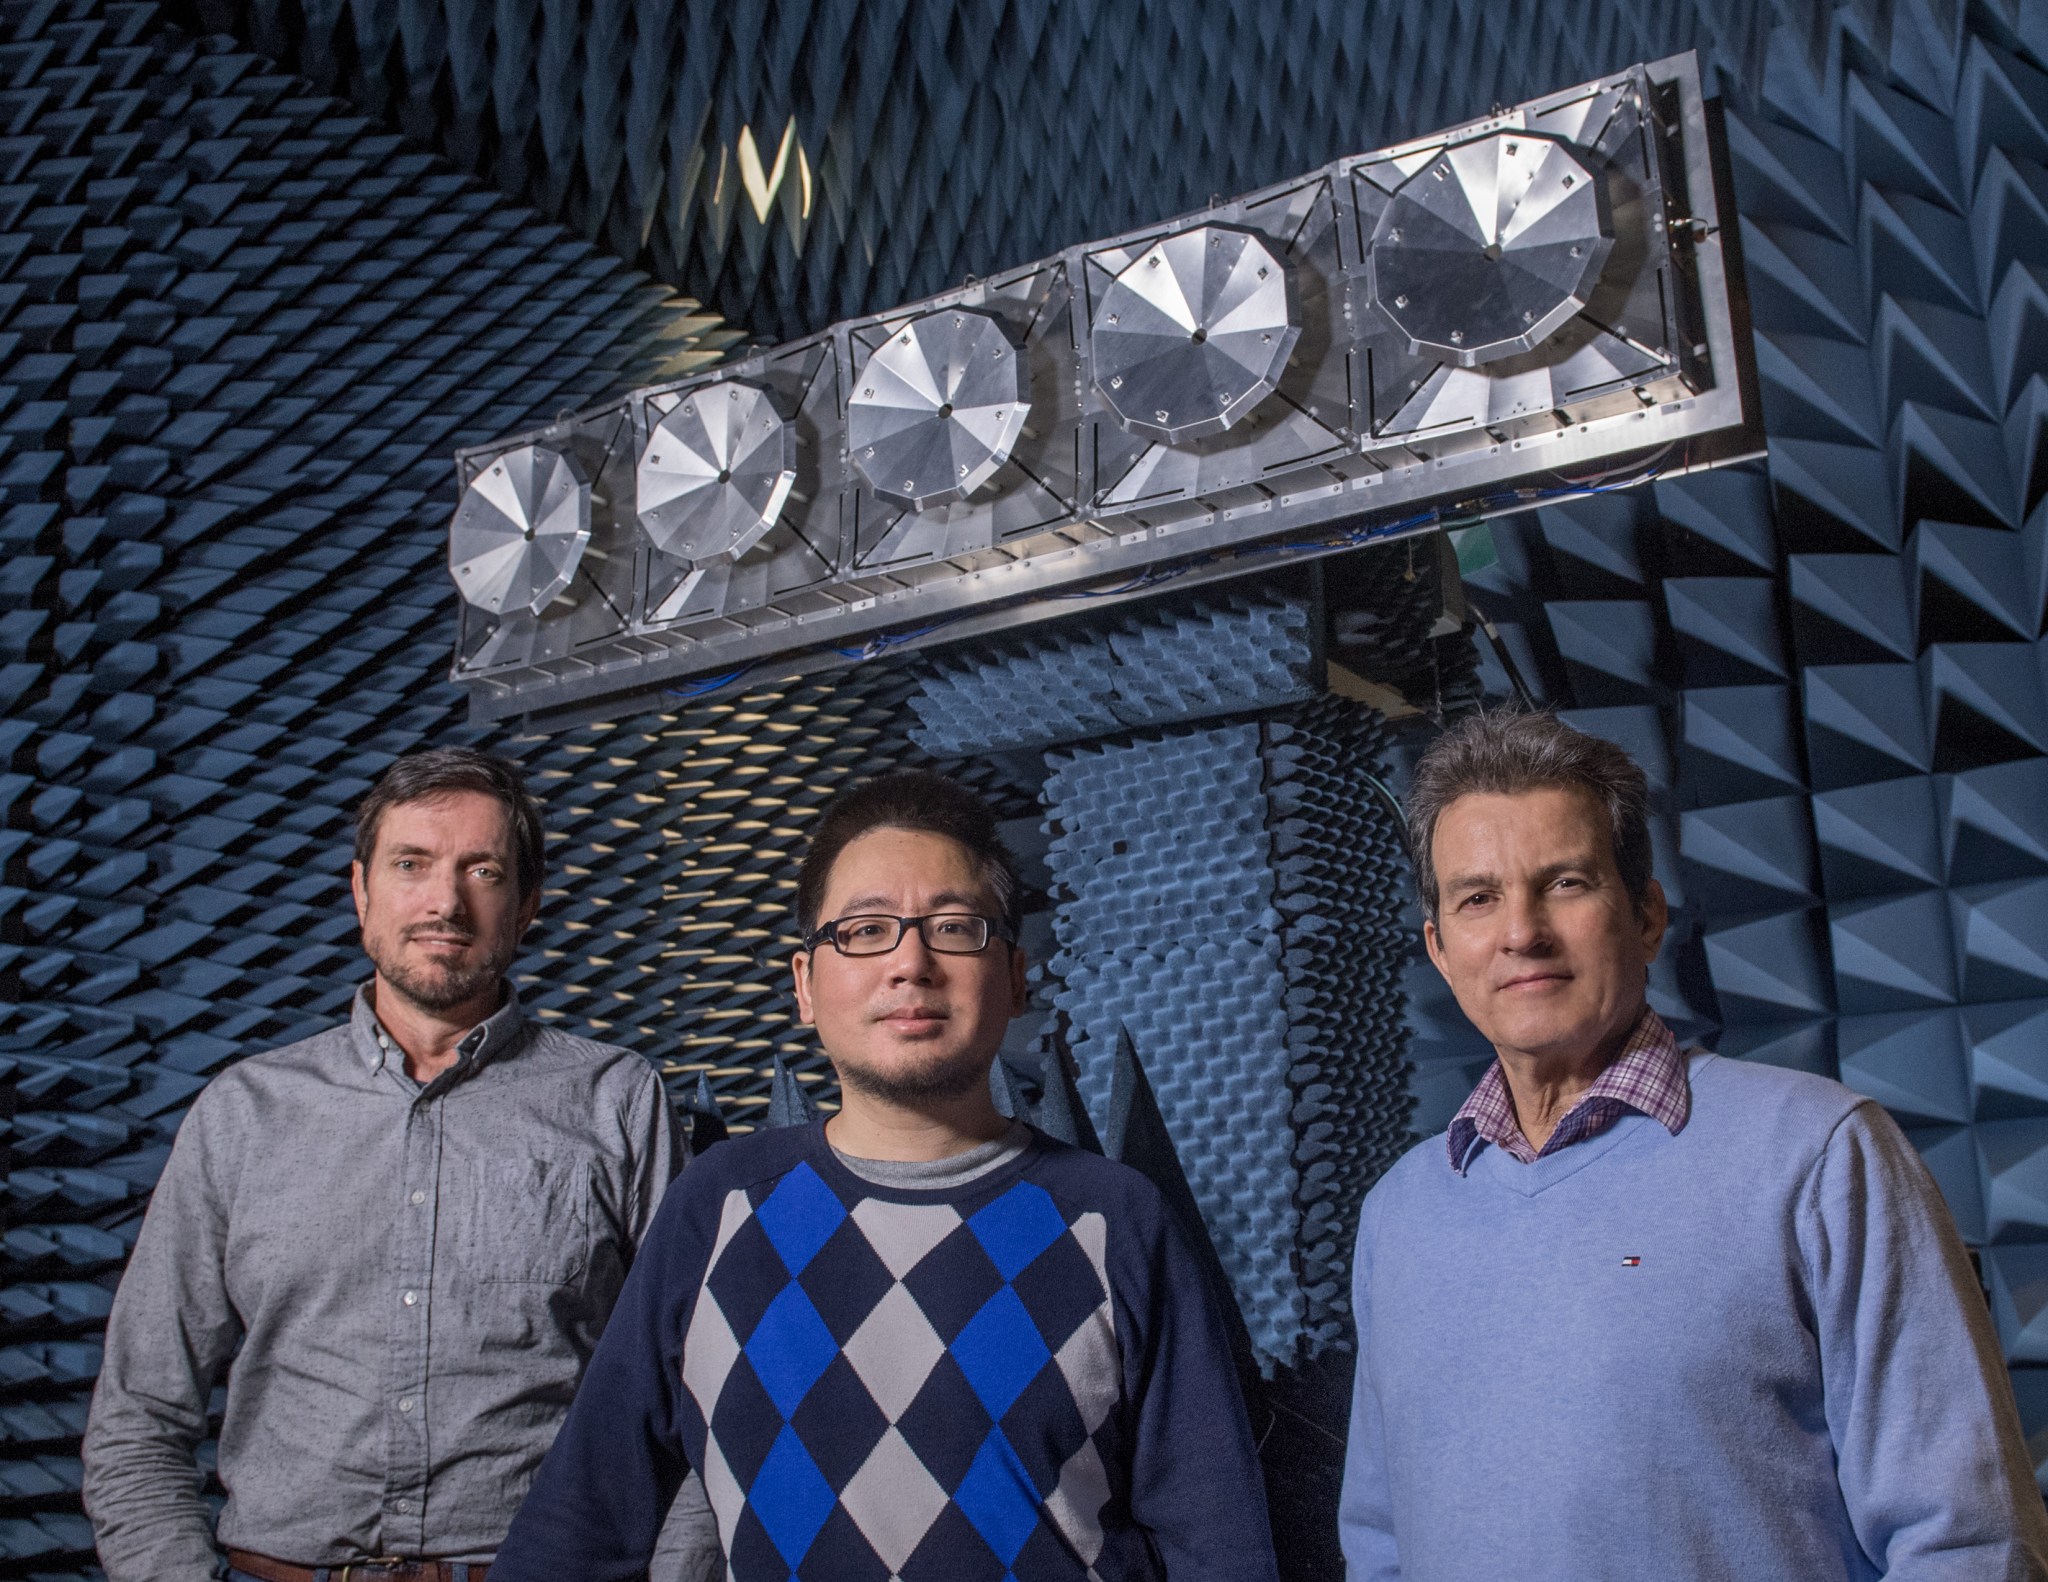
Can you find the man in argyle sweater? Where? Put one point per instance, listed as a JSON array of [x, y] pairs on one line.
[[917, 1340]]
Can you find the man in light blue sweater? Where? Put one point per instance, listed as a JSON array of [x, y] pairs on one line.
[[1646, 1314]]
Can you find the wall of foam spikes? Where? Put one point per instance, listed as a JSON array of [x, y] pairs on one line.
[[1834, 664], [1218, 869], [1228, 934], [800, 162], [244, 326]]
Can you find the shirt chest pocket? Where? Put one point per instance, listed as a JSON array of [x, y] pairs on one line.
[[522, 1221]]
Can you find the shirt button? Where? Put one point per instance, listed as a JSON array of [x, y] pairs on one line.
[[405, 1403], [411, 1298], [419, 1197], [404, 1507]]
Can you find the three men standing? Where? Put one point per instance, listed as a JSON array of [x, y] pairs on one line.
[[1642, 1312], [406, 1233]]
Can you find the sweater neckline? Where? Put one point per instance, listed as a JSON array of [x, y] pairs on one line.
[[1528, 1180], [1531, 1179], [853, 1186]]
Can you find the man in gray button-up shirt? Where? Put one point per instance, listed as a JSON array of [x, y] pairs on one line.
[[407, 1233]]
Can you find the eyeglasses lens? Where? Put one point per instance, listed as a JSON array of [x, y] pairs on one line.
[[949, 933]]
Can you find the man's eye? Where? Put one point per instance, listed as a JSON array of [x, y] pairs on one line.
[[866, 929], [954, 927]]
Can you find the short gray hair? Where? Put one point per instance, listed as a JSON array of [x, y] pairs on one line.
[[1507, 751]]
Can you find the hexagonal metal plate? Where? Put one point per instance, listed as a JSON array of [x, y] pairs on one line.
[[937, 408], [716, 472], [1490, 248], [521, 530], [1193, 333]]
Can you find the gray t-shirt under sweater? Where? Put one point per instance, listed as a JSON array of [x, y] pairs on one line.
[[937, 1175]]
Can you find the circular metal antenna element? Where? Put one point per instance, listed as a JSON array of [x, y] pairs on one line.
[[520, 531], [716, 472], [1193, 334], [1489, 248], [937, 408]]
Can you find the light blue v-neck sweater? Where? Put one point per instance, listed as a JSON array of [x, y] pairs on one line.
[[1754, 1350]]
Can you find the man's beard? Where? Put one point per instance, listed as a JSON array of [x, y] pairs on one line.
[[948, 1077], [437, 988]]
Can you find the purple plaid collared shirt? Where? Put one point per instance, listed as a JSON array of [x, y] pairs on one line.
[[1648, 1076]]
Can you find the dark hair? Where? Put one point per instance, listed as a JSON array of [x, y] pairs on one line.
[[912, 799], [444, 771], [1506, 751]]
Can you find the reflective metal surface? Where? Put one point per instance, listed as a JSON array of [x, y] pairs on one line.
[[520, 531], [1193, 334], [1186, 400], [716, 473], [1489, 248], [936, 408]]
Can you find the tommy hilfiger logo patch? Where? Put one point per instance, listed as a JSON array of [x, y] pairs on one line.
[[1630, 1263]]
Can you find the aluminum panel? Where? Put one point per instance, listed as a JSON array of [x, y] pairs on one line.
[[1469, 323]]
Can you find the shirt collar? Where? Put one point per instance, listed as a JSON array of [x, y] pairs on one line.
[[490, 1038], [1648, 1076]]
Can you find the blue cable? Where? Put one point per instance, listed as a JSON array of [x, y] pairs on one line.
[[700, 688]]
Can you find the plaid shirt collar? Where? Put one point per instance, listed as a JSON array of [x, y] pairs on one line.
[[1648, 1076]]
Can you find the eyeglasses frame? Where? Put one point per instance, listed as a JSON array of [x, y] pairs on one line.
[[823, 933]]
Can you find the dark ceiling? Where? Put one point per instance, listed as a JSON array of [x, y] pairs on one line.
[[789, 164]]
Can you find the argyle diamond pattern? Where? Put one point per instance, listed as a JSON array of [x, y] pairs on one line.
[[897, 1390]]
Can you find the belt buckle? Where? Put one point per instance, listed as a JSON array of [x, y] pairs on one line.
[[351, 1571]]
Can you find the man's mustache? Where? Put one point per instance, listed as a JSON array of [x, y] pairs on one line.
[[457, 931]]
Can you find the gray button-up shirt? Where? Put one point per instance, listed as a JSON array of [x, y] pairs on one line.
[[414, 1276]]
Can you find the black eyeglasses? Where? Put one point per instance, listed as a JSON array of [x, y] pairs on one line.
[[948, 933]]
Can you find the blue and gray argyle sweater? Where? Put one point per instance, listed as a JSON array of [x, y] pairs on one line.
[[1019, 1378]]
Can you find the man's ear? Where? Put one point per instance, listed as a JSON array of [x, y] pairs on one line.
[[359, 887], [1433, 942], [800, 971], [1655, 917], [1020, 991]]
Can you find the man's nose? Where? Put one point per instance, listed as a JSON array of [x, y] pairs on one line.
[[1527, 922], [912, 961], [446, 896]]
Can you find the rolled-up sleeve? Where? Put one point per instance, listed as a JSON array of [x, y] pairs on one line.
[[171, 1331]]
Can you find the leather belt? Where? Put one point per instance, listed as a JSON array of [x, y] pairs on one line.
[[384, 1569]]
